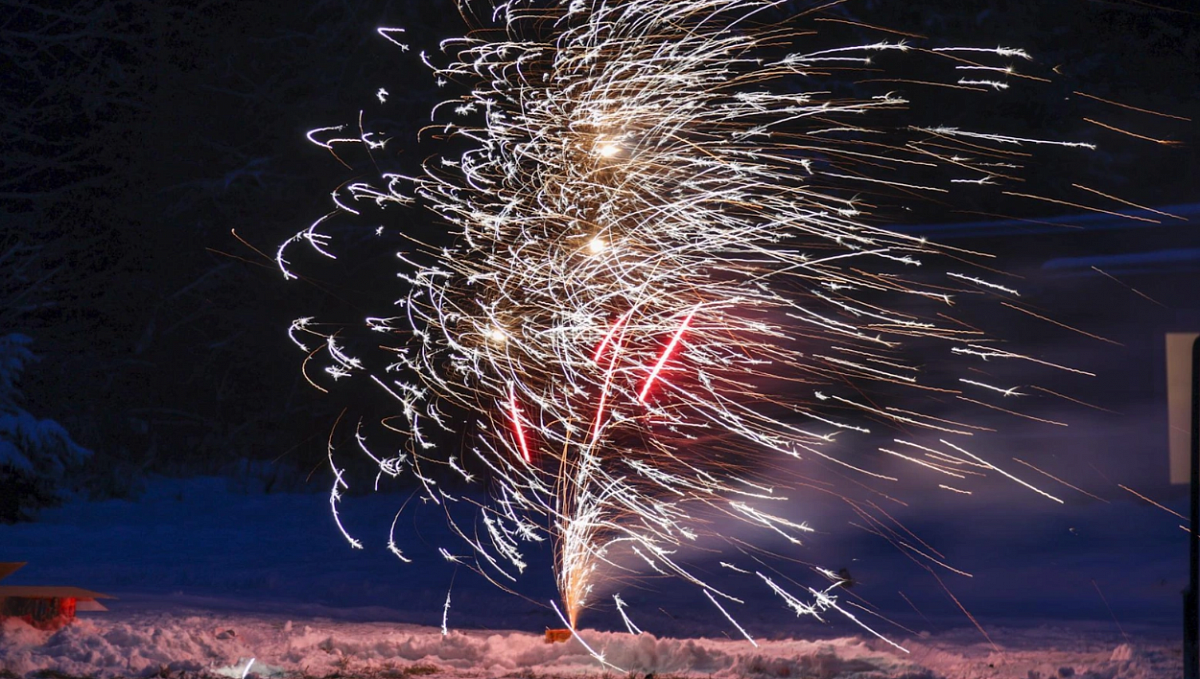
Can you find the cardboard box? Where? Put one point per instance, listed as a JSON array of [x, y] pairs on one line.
[[46, 608]]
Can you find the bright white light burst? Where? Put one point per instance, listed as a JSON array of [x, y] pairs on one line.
[[667, 279]]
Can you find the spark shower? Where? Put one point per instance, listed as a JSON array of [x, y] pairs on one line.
[[669, 282]]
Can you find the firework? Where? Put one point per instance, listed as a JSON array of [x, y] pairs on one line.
[[667, 278]]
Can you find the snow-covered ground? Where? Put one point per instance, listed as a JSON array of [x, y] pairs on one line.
[[144, 644], [139, 644], [208, 578]]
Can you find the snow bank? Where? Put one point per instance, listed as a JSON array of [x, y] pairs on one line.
[[150, 644]]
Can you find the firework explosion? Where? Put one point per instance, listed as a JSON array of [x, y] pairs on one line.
[[666, 279]]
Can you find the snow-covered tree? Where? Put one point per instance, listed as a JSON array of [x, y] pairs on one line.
[[35, 454]]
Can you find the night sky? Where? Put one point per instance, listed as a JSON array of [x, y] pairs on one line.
[[153, 157]]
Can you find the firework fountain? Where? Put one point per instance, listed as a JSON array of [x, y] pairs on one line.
[[667, 278]]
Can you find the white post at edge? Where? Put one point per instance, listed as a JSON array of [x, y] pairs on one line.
[[1179, 403]]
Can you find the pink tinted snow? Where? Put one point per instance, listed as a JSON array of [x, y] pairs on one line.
[[235, 645]]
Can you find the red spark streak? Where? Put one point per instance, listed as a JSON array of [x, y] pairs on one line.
[[612, 364], [516, 418], [662, 359], [608, 338]]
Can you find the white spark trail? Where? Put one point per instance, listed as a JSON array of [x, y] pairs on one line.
[[730, 618], [633, 629], [649, 284]]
